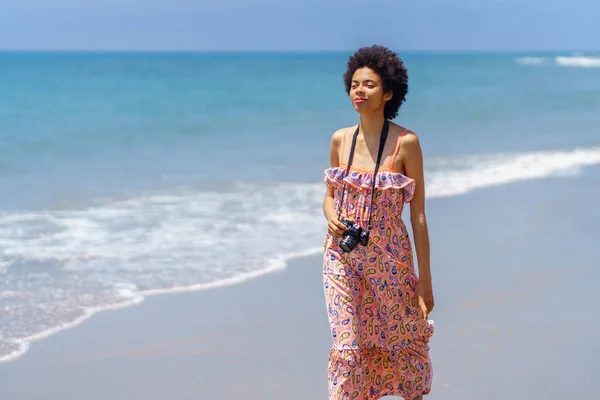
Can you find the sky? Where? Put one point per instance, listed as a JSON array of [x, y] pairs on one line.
[[291, 25]]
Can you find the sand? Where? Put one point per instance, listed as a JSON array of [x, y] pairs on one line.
[[515, 273]]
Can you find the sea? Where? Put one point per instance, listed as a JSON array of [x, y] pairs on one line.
[[126, 175]]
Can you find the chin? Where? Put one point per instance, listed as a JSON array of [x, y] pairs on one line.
[[359, 109], [363, 111]]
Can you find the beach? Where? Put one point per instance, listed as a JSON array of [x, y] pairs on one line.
[[161, 234], [514, 270]]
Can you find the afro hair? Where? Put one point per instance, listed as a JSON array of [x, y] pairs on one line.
[[389, 67]]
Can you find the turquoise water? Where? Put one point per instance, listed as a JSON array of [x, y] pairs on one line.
[[123, 175]]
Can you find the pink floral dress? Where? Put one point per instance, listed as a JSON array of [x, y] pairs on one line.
[[380, 335]]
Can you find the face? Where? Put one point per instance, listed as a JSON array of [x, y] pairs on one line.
[[366, 92]]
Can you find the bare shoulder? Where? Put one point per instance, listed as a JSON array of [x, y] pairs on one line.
[[335, 148], [409, 148], [340, 133], [397, 131], [337, 136], [411, 155], [410, 142]]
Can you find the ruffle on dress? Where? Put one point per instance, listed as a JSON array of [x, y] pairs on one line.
[[386, 179]]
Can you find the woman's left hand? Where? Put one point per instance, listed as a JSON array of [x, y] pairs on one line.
[[424, 294]]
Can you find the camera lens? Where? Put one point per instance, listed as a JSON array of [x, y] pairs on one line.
[[352, 236], [348, 243]]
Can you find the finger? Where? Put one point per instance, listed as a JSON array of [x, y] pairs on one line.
[[339, 225], [423, 307], [333, 231], [430, 304]]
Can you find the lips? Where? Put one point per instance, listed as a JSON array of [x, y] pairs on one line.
[[359, 100]]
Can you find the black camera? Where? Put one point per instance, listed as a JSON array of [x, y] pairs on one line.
[[354, 235]]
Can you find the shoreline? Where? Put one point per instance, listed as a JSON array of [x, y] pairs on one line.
[[585, 159], [175, 335], [274, 265]]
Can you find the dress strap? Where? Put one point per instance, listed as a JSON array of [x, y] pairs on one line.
[[343, 154], [390, 163]]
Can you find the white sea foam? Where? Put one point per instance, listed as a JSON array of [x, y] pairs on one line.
[[531, 60], [491, 170], [59, 267], [579, 61], [575, 60]]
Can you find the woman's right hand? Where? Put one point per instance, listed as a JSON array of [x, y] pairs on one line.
[[334, 227]]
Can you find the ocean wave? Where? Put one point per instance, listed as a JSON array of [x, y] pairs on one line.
[[531, 60], [579, 61], [498, 169], [575, 60], [59, 267]]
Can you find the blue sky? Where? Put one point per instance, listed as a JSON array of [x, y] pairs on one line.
[[300, 24]]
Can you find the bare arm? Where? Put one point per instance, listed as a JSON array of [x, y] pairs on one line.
[[413, 166], [335, 228]]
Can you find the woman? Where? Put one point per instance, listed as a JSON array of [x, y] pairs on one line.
[[377, 306]]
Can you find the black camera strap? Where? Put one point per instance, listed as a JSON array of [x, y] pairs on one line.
[[382, 139]]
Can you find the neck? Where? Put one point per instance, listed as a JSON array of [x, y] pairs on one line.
[[371, 125]]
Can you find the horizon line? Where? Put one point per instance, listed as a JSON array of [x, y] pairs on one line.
[[294, 51]]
